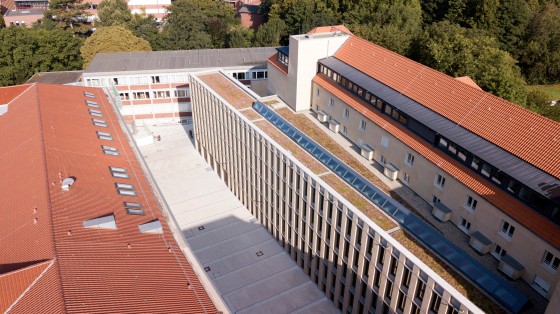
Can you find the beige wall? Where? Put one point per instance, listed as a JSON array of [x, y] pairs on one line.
[[526, 247]]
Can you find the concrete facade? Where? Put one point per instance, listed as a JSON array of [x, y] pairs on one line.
[[357, 264]]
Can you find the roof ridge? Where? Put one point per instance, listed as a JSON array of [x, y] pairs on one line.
[[33, 283]]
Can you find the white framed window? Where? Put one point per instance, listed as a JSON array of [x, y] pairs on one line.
[[409, 159], [550, 261], [470, 204], [435, 199], [362, 125], [384, 141], [465, 225], [507, 229], [346, 113], [541, 285], [439, 182], [382, 160], [331, 102], [498, 251], [406, 178]]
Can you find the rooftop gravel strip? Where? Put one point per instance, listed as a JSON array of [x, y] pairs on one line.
[[251, 114], [447, 273], [228, 90], [359, 201], [296, 151]]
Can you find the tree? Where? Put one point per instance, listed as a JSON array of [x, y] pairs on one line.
[[112, 39], [26, 51], [113, 13], [457, 51], [196, 24], [541, 57], [146, 27], [539, 102], [240, 38], [270, 33], [67, 15], [392, 25], [2, 22], [300, 16]]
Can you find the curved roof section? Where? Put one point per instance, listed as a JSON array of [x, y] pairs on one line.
[[523, 133]]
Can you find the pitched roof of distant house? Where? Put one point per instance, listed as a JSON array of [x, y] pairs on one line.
[[79, 249], [179, 59], [328, 29]]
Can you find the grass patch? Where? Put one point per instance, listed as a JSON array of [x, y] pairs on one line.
[[301, 155], [448, 274], [359, 201], [251, 114], [553, 91], [228, 90]]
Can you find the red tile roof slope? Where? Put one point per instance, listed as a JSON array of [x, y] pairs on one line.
[[14, 284], [328, 29], [8, 93], [514, 208], [106, 270], [274, 61], [525, 134]]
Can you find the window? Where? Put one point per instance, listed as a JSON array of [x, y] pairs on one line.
[[95, 113], [318, 92], [409, 159], [344, 129], [470, 204], [133, 208], [119, 172], [382, 160], [124, 96], [331, 102], [259, 75], [100, 123], [435, 199], [346, 113], [435, 302], [507, 229], [108, 150], [181, 93], [92, 104], [141, 95], [406, 178], [440, 181], [406, 277], [125, 189], [465, 225], [89, 95], [420, 289], [499, 251], [550, 260], [162, 94], [384, 141], [155, 79], [362, 125], [104, 136]]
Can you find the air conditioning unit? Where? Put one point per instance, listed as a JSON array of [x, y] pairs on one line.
[[480, 242], [334, 125], [322, 116], [390, 171], [441, 212], [366, 152], [510, 267]]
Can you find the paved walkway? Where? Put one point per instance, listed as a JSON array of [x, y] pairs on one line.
[[452, 232], [250, 270]]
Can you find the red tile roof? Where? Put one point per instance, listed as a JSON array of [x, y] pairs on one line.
[[467, 80], [328, 29], [525, 134], [274, 61], [511, 206], [48, 135], [8, 93]]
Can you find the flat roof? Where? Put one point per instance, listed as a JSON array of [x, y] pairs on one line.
[[26, 12], [62, 77], [179, 59]]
